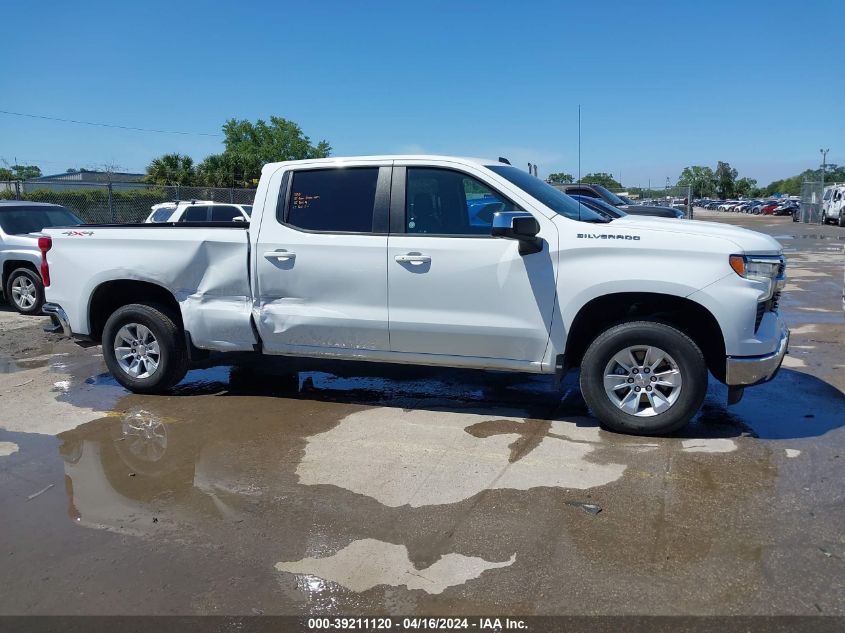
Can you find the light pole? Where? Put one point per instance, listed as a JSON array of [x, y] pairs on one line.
[[824, 163]]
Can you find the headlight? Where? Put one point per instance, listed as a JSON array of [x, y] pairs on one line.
[[769, 270]]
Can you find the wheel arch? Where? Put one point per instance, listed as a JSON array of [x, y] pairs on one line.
[[688, 316], [111, 295], [12, 264]]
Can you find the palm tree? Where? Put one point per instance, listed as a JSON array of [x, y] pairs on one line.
[[171, 169]]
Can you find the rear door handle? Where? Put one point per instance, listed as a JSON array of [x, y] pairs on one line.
[[281, 255], [413, 258]]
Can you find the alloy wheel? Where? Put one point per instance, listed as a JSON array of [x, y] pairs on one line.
[[642, 380]]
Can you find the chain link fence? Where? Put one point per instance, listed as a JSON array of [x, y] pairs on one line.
[[116, 202], [810, 209]]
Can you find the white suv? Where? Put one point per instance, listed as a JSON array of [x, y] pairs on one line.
[[199, 211]]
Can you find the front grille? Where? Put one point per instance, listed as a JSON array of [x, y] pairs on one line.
[[761, 310]]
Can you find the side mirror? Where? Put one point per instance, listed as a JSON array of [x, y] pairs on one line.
[[518, 225]]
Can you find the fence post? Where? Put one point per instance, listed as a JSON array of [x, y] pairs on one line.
[[17, 190], [232, 195], [689, 202], [178, 187], [111, 206]]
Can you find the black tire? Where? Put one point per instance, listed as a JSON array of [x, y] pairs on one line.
[[32, 280], [687, 356], [173, 359], [841, 219]]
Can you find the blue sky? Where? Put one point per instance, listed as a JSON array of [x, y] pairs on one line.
[[661, 84]]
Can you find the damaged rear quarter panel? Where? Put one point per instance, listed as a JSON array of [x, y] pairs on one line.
[[204, 268]]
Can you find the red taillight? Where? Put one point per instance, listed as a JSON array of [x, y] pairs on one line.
[[44, 245]]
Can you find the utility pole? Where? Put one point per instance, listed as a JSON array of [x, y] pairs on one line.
[[824, 164]]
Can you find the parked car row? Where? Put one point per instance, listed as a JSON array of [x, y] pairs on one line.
[[597, 192], [775, 206]]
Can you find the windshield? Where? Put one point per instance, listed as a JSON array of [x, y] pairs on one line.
[[247, 209], [22, 220], [543, 192], [626, 200]]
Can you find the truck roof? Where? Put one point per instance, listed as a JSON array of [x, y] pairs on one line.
[[26, 203], [339, 160]]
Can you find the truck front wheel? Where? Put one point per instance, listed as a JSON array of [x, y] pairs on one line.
[[643, 377], [144, 348]]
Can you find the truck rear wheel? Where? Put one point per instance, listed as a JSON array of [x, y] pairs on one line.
[[643, 377], [144, 348]]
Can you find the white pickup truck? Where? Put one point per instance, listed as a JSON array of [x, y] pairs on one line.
[[435, 261]]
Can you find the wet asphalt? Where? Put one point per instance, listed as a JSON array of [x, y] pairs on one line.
[[373, 489]]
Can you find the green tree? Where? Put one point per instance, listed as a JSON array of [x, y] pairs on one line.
[[251, 145], [602, 178], [702, 180], [6, 174], [560, 178], [220, 170], [747, 187], [25, 172], [171, 169], [725, 180], [792, 185]]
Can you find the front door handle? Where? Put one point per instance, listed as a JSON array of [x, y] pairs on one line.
[[281, 255], [413, 258]]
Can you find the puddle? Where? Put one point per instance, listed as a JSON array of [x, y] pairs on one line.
[[8, 448], [424, 458], [368, 563]]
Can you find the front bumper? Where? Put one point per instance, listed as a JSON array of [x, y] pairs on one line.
[[744, 371], [60, 322]]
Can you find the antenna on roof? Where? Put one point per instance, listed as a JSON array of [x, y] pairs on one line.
[[579, 142], [504, 160]]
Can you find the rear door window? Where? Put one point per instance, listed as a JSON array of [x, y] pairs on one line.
[[333, 200]]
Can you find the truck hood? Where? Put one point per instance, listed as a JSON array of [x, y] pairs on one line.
[[746, 241]]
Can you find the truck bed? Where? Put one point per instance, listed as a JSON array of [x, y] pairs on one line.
[[204, 265]]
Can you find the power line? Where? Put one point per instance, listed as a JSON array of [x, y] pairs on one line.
[[111, 125]]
